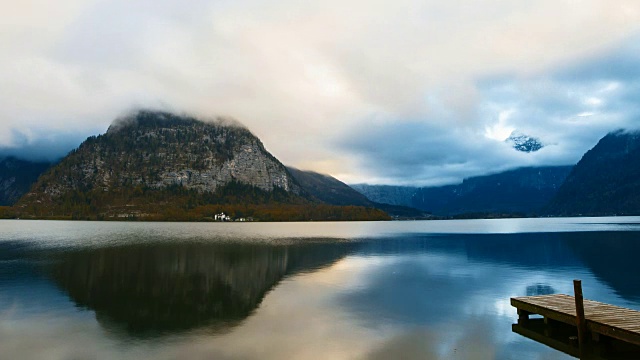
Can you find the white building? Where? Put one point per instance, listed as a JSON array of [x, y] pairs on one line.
[[222, 217]]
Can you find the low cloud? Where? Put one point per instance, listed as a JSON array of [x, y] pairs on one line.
[[306, 77], [569, 109]]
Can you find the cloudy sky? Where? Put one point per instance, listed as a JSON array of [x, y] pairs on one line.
[[393, 92]]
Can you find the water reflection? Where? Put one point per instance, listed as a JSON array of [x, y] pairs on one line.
[[414, 294], [608, 255], [613, 258], [164, 288], [540, 289]]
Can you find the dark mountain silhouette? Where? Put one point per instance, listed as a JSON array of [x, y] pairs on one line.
[[387, 194], [606, 181], [17, 176], [524, 190], [328, 189]]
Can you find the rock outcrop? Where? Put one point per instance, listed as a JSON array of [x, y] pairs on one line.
[[524, 143], [157, 150]]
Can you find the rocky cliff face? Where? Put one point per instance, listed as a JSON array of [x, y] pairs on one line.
[[524, 143], [158, 150]]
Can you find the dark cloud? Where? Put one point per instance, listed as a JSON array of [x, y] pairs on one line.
[[568, 108], [51, 147], [421, 153]]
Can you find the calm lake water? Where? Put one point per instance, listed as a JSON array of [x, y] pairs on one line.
[[359, 290]]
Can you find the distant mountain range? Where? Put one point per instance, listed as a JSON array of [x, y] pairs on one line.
[[387, 194], [523, 191], [162, 166], [333, 191], [606, 181]]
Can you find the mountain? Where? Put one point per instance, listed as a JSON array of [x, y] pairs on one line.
[[333, 191], [524, 143], [161, 149], [16, 177], [328, 189], [387, 194], [606, 181], [524, 190], [161, 166]]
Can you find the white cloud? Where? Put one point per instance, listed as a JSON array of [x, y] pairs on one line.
[[302, 74], [501, 130]]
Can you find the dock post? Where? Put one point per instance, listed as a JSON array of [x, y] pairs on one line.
[[581, 322]]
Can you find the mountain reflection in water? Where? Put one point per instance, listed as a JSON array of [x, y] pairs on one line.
[[161, 288], [414, 290]]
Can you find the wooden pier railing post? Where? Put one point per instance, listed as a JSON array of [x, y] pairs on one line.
[[581, 323]]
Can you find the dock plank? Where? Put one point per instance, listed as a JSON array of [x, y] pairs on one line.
[[610, 320]]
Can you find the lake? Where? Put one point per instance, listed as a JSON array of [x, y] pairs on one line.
[[351, 290]]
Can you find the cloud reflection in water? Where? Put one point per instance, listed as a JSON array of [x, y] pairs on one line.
[[421, 296]]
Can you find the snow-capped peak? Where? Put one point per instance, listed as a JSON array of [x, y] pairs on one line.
[[524, 143]]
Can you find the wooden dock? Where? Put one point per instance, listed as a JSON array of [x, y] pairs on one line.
[[599, 319]]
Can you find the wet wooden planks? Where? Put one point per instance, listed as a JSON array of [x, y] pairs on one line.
[[604, 319]]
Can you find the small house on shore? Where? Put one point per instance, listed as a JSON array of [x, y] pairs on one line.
[[222, 217]]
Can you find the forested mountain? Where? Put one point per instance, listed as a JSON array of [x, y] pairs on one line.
[[161, 166], [525, 191], [606, 181], [157, 165], [328, 189], [333, 191], [17, 176]]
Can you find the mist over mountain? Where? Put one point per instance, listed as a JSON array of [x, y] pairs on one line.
[[159, 150], [156, 161], [157, 165], [606, 181]]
